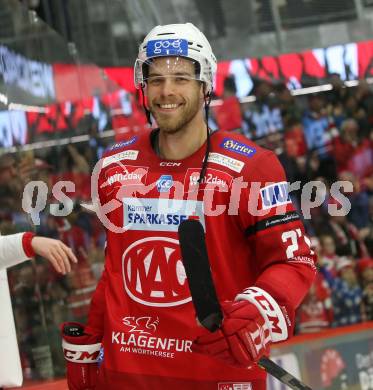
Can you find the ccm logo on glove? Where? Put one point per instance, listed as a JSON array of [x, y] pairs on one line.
[[273, 315], [81, 353], [250, 324]]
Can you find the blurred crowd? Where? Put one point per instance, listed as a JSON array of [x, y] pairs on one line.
[[322, 138]]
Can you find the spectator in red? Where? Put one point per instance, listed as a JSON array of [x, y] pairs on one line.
[[73, 236], [295, 142], [316, 312], [328, 253], [75, 167], [81, 281], [344, 145], [365, 270], [350, 152], [228, 115]]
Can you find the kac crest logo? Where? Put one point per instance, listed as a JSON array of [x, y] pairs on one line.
[[154, 275]]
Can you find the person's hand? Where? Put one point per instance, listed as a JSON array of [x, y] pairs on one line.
[[59, 254], [242, 339]]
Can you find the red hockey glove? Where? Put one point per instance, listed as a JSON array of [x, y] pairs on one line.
[[81, 353], [242, 339], [249, 326]]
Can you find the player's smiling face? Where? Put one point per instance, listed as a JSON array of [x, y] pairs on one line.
[[175, 97]]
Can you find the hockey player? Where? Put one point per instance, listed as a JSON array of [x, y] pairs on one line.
[[261, 261]]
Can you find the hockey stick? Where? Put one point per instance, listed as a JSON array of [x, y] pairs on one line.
[[206, 304]]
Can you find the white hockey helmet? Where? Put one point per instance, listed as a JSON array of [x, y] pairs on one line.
[[177, 40]]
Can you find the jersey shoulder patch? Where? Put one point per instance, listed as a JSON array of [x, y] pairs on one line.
[[234, 151], [235, 145], [122, 144]]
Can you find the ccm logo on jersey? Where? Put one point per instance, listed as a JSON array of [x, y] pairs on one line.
[[169, 164], [275, 195], [125, 155], [237, 147], [154, 274]]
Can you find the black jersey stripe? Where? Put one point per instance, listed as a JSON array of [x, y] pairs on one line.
[[271, 222]]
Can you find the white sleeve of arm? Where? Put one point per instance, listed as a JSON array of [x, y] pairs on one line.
[[11, 250]]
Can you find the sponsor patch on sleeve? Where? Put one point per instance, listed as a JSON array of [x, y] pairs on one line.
[[275, 195], [226, 161], [123, 144], [238, 147], [125, 155]]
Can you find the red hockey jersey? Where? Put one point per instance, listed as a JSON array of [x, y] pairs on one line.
[[142, 306]]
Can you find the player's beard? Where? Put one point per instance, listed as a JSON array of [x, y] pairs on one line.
[[176, 122]]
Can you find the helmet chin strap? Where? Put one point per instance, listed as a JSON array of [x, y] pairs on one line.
[[202, 174], [146, 109]]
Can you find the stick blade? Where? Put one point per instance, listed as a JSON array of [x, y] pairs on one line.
[[198, 271]]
